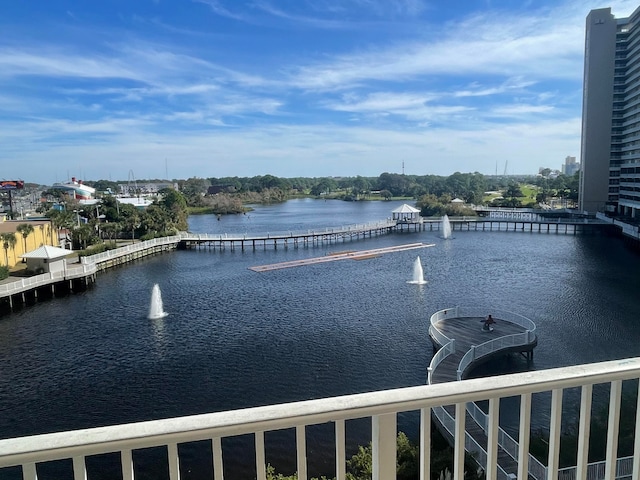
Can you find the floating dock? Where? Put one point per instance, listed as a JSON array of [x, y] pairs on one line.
[[332, 257]]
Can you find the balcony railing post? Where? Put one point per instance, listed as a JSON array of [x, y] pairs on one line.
[[174, 461], [492, 438], [524, 435], [383, 440], [261, 466], [79, 469], [584, 429], [301, 451], [612, 429], [459, 436], [126, 462], [29, 471], [216, 446], [425, 444], [341, 461], [554, 433], [636, 443]]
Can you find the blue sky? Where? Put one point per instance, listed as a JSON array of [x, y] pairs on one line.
[[213, 88]]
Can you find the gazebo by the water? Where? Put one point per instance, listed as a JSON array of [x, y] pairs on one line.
[[46, 259], [406, 213]]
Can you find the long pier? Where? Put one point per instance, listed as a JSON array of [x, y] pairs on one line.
[[488, 224], [336, 235], [286, 239]]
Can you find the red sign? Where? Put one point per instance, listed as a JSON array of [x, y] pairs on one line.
[[11, 184]]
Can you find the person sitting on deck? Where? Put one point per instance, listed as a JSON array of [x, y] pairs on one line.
[[487, 324]]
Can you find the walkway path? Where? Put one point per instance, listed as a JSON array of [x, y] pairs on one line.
[[463, 344]]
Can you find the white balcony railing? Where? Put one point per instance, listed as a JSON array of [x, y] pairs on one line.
[[382, 407]]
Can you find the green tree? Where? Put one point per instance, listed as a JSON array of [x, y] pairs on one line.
[[83, 236], [361, 186], [407, 455], [323, 185], [8, 240], [111, 230], [430, 206], [386, 194], [512, 195], [60, 219], [175, 213], [194, 190], [398, 185], [25, 229], [131, 223]]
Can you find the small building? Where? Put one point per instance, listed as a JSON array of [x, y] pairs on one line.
[[43, 233], [47, 259], [406, 214]]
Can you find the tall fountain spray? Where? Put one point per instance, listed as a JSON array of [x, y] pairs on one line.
[[156, 310], [446, 227], [418, 274]]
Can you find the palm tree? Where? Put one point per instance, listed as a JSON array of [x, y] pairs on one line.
[[8, 240], [41, 226], [25, 229]]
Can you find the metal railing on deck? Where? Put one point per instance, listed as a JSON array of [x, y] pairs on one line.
[[499, 343], [382, 407], [43, 279], [128, 249]]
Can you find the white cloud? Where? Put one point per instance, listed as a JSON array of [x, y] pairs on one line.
[[491, 85]]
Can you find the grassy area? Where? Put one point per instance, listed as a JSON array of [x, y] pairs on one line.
[[529, 193]]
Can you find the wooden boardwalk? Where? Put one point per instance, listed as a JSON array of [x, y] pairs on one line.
[[332, 257], [467, 333], [285, 239]]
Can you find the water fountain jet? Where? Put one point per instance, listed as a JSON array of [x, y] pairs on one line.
[[445, 227], [418, 274], [156, 310]]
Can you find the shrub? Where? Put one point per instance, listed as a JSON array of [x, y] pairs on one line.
[[4, 272]]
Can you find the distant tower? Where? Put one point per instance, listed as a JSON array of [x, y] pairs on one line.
[[403, 167], [570, 166]]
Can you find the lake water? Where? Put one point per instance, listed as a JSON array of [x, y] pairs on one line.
[[236, 338]]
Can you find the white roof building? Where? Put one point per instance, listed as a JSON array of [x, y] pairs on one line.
[[46, 259], [406, 213]]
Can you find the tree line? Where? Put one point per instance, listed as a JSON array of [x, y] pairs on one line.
[[111, 220], [469, 187]]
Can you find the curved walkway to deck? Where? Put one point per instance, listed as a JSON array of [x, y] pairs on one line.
[[463, 344], [473, 345]]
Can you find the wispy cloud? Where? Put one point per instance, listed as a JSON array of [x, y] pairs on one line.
[[217, 7], [309, 87]]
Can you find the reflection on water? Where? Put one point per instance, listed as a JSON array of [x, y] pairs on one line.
[[236, 338], [161, 339]]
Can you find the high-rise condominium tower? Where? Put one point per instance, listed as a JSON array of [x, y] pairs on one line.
[[610, 178]]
